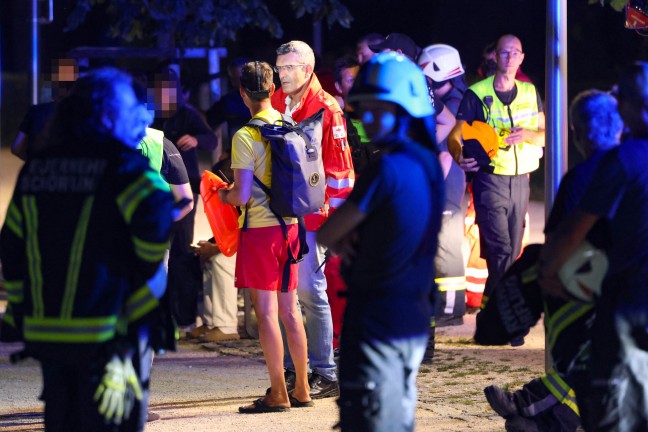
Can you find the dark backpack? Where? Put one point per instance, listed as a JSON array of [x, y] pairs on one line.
[[298, 183]]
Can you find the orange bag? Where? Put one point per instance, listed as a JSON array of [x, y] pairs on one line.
[[223, 218]]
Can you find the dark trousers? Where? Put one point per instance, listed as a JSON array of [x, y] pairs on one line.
[[68, 393], [501, 203], [450, 266], [536, 401], [183, 284]]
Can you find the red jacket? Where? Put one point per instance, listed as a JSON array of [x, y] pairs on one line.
[[336, 154]]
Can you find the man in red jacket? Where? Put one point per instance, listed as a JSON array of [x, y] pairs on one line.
[[300, 96]]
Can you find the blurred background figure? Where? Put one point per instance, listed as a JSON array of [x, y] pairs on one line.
[[98, 277], [32, 129], [229, 114], [183, 125], [442, 67], [363, 51]]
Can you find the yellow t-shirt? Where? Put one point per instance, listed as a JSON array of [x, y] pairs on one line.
[[251, 152]]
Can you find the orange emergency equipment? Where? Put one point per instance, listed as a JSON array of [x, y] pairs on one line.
[[476, 269], [479, 142], [223, 218]]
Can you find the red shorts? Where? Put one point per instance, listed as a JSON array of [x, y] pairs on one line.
[[261, 256]]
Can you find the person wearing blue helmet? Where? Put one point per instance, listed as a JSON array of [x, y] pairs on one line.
[[388, 250]]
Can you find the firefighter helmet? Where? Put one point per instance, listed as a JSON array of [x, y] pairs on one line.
[[440, 62], [583, 272], [394, 78], [479, 142]]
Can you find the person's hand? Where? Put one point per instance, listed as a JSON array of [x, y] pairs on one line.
[[551, 285], [468, 164], [347, 248], [517, 136], [205, 251], [222, 192], [324, 211], [187, 142]]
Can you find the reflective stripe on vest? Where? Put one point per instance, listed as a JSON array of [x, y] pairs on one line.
[[14, 291], [30, 211], [529, 275], [520, 158], [8, 318], [562, 318], [136, 192], [76, 257], [14, 220], [69, 330], [457, 283], [483, 302], [150, 251], [140, 303], [152, 147], [560, 389]]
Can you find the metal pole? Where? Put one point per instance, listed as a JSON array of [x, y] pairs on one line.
[[556, 97], [556, 110], [34, 65]]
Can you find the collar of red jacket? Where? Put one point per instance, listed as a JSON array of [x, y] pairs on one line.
[[312, 89]]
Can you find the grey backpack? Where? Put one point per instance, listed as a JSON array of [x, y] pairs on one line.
[[298, 185]]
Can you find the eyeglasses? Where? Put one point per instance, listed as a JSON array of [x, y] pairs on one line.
[[512, 54], [287, 68]]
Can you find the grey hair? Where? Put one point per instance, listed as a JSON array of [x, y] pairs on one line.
[[303, 51]]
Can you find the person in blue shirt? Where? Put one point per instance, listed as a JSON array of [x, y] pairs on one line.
[[618, 193], [388, 253]]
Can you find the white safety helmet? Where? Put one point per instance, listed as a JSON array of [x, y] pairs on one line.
[[440, 62], [583, 272], [392, 77]]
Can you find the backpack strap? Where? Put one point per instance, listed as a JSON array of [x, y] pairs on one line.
[[259, 123], [256, 122], [301, 233], [301, 225]]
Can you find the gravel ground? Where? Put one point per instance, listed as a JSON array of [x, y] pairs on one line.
[[201, 386]]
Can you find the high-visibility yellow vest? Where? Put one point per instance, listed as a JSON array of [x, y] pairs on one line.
[[152, 147], [522, 112]]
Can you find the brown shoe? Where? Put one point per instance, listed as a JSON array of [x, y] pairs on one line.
[[216, 335], [197, 332]]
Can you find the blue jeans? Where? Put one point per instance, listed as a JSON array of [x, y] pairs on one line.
[[311, 292], [378, 381]]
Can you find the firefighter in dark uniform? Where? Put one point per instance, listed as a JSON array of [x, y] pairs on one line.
[[549, 402], [82, 247]]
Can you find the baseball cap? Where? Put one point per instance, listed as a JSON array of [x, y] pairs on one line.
[[397, 41]]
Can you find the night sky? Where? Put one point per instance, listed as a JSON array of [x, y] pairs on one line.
[[598, 42]]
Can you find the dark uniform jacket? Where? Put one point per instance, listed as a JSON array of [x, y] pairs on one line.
[[86, 230]]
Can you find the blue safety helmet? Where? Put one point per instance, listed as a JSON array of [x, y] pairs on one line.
[[392, 77]]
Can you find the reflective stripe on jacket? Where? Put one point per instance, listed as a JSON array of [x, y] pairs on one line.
[[86, 229]]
